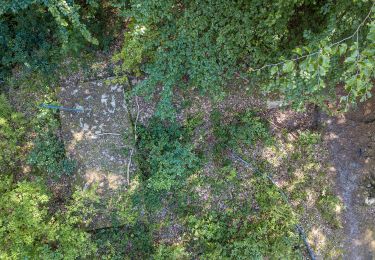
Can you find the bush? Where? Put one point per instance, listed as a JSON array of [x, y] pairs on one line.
[[328, 204], [204, 45], [308, 138], [132, 242], [12, 132], [244, 129], [48, 153], [28, 231], [165, 157], [36, 35], [171, 252]]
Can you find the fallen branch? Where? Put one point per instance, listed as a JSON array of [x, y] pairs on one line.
[[129, 164], [136, 119], [109, 134], [135, 140], [280, 128]]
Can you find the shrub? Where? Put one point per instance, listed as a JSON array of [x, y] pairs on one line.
[[245, 128], [134, 241], [328, 204], [308, 138], [165, 157], [36, 35], [204, 45], [12, 131], [261, 225], [28, 231], [170, 252], [48, 153]]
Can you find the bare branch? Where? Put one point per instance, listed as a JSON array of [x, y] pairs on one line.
[[135, 140], [109, 134]]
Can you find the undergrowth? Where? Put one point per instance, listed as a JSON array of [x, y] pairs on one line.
[[48, 153], [12, 136], [166, 158], [245, 128], [241, 219]]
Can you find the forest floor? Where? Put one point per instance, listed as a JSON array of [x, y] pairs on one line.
[[328, 182], [351, 143], [342, 159], [299, 168]]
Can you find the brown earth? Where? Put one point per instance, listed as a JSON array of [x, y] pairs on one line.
[[351, 142], [94, 139]]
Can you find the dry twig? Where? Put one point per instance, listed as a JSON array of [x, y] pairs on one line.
[[135, 140]]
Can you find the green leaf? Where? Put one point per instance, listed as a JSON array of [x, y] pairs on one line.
[[274, 70], [288, 66], [325, 61], [327, 50], [342, 49], [298, 51], [352, 57]]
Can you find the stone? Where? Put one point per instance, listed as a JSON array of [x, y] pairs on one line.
[[272, 104], [99, 161], [370, 201]]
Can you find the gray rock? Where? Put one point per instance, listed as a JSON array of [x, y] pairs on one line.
[[370, 201], [271, 104]]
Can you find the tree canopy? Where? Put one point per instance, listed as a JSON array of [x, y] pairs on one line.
[[204, 45]]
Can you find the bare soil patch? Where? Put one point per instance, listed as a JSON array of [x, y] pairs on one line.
[[351, 145], [95, 138]]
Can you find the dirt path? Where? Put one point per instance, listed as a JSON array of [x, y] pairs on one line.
[[350, 144]]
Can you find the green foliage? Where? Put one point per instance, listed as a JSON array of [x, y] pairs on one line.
[[48, 153], [63, 12], [242, 219], [188, 45], [243, 129], [131, 233], [193, 122], [12, 131], [165, 157], [170, 252], [305, 146], [132, 52], [313, 79], [28, 231], [35, 35], [252, 226], [198, 41], [82, 207], [260, 226], [330, 205], [197, 44], [308, 138], [132, 242]]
